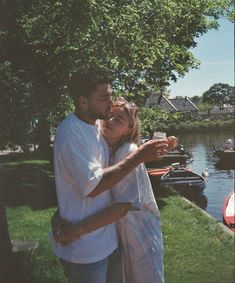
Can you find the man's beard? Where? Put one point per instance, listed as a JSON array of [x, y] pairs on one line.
[[96, 115]]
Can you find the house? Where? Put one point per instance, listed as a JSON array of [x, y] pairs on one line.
[[182, 104], [225, 109], [161, 102], [218, 111]]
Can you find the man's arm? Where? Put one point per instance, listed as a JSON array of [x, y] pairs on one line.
[[152, 150], [65, 233]]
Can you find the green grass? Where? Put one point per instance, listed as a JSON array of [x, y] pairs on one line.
[[28, 225], [28, 183], [196, 250]]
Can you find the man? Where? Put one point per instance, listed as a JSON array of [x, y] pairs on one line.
[[83, 176]]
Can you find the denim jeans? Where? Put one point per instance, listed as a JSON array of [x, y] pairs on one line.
[[85, 273]]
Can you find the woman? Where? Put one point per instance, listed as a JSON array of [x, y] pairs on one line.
[[139, 229]]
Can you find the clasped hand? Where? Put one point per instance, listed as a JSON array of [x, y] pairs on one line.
[[62, 230]]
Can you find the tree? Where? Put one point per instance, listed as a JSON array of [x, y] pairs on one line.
[[14, 107], [146, 43], [196, 99], [219, 94], [35, 42], [5, 242]]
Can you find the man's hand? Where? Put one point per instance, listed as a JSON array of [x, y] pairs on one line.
[[62, 230], [153, 150]]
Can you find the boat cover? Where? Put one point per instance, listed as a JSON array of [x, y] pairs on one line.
[[230, 210]]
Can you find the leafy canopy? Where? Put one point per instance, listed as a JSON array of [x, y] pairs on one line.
[[145, 42], [219, 94]]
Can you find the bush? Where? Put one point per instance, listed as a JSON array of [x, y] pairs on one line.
[[173, 123]]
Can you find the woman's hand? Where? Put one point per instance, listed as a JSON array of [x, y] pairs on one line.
[[153, 150], [172, 142]]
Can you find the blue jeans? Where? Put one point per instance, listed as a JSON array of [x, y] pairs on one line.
[[86, 273]]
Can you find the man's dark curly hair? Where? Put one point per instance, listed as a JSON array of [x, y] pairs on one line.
[[84, 81]]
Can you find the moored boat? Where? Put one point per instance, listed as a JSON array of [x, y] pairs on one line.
[[183, 176], [158, 172], [155, 174], [225, 154], [169, 158], [229, 211], [177, 155]]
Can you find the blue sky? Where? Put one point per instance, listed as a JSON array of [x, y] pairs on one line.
[[215, 50]]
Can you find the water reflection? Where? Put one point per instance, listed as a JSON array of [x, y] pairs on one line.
[[220, 181]]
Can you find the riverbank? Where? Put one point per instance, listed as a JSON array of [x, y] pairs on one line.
[[201, 126], [177, 123], [196, 248]]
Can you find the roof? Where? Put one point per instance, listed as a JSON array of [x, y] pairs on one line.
[[175, 104], [161, 102], [183, 104]]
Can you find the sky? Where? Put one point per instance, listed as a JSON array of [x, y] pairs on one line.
[[215, 51]]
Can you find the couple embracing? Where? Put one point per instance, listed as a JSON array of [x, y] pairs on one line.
[[104, 193]]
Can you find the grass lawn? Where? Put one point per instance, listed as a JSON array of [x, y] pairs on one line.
[[30, 225], [196, 250]]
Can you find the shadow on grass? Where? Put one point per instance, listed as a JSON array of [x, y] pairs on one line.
[[28, 182], [20, 270], [160, 192]]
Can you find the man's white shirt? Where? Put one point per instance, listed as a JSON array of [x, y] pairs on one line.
[[80, 154]]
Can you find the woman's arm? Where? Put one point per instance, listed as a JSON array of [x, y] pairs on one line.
[[65, 233]]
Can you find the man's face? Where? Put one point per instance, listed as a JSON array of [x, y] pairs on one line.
[[100, 103]]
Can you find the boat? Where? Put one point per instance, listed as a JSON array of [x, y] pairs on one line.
[[229, 211], [158, 172], [225, 165], [225, 154], [155, 174], [181, 150], [183, 176], [175, 156], [178, 155]]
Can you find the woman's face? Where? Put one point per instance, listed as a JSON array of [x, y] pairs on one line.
[[117, 126]]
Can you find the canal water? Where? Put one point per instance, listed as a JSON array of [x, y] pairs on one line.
[[220, 181]]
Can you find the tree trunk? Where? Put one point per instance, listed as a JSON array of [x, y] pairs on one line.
[[44, 136], [5, 243]]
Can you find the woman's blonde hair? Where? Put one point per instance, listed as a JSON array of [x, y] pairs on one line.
[[134, 122]]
